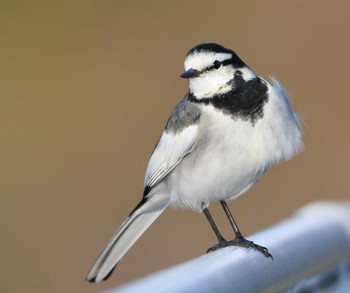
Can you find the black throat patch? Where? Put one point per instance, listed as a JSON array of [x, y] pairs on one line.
[[245, 101]]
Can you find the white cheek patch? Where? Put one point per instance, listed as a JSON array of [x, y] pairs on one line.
[[247, 73], [210, 83], [202, 60]]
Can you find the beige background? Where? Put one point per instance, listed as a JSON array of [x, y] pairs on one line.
[[86, 88]]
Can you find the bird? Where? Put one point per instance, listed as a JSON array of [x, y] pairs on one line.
[[228, 130]]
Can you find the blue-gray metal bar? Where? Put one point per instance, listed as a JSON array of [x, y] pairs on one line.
[[315, 240]]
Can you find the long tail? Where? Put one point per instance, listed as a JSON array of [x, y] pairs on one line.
[[134, 226]]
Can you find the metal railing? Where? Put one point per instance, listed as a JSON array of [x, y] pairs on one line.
[[311, 254]]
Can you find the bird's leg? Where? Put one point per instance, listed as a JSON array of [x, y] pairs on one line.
[[222, 240], [213, 225], [231, 219], [239, 239]]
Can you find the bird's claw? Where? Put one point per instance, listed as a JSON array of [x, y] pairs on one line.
[[218, 246], [242, 242]]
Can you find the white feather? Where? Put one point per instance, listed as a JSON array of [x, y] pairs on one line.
[[126, 236], [212, 82], [202, 60], [232, 155], [171, 149]]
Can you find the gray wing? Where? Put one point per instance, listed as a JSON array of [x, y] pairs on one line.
[[177, 140]]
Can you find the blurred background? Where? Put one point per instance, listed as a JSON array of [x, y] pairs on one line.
[[86, 88]]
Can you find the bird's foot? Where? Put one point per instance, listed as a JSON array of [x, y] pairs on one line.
[[242, 242], [218, 246]]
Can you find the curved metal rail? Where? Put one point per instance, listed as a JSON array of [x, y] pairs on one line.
[[310, 249]]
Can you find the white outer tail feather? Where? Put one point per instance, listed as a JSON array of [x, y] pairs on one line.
[[124, 238]]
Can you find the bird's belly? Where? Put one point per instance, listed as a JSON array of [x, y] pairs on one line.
[[224, 169], [218, 179]]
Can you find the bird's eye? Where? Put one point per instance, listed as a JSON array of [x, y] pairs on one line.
[[217, 64]]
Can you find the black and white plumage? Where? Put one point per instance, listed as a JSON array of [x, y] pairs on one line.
[[230, 128]]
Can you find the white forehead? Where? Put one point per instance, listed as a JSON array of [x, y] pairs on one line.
[[201, 60]]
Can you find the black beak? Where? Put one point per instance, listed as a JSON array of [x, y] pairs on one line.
[[190, 73]]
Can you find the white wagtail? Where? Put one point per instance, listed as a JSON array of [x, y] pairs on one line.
[[220, 139]]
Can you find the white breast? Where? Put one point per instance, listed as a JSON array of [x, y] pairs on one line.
[[232, 154]]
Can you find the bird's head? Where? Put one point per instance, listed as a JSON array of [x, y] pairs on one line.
[[211, 68]]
